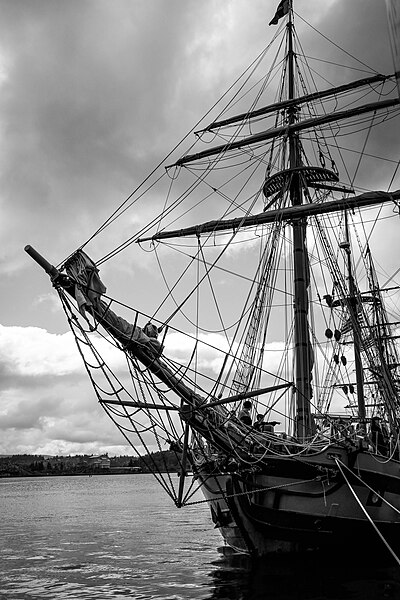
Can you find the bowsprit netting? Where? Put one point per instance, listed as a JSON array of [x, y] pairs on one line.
[[167, 410], [144, 410]]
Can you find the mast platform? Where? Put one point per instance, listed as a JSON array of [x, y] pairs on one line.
[[308, 175]]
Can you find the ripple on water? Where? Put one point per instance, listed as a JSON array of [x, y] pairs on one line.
[[108, 537]]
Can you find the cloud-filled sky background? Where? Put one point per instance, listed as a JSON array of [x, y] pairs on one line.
[[93, 93]]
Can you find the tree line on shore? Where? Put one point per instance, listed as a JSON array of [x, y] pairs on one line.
[[27, 465]]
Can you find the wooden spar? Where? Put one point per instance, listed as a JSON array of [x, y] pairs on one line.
[[183, 466], [285, 104], [139, 404], [49, 268], [284, 214], [287, 130], [236, 398], [251, 394]]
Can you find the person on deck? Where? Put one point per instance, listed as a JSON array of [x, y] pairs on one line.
[[259, 424], [264, 426], [379, 439], [245, 413]]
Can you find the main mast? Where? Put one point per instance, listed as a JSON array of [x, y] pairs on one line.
[[303, 351]]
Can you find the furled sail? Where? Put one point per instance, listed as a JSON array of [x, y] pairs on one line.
[[88, 291]]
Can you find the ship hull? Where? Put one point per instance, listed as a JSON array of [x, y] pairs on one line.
[[308, 503]]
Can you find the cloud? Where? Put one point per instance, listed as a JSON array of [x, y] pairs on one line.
[[212, 349], [46, 399], [32, 352]]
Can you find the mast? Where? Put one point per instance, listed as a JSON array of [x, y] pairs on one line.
[[353, 301], [303, 351]]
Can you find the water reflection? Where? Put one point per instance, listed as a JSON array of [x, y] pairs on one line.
[[305, 577]]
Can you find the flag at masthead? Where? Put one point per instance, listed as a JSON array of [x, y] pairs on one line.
[[281, 11]]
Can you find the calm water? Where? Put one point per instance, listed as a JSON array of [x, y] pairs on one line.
[[119, 537]]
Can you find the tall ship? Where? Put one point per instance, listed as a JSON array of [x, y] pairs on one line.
[[267, 366]]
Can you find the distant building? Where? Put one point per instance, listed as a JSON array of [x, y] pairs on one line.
[[99, 462]]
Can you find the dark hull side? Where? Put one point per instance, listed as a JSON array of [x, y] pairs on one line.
[[307, 504]]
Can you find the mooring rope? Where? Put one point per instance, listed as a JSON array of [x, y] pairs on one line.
[[365, 511], [370, 488]]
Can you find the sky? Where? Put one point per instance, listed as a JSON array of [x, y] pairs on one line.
[[93, 93]]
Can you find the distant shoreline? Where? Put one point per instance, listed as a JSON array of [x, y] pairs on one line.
[[40, 475], [33, 465]]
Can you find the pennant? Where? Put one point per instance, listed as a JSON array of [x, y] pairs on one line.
[[281, 11]]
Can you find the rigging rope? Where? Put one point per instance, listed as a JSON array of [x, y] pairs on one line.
[[334, 44]]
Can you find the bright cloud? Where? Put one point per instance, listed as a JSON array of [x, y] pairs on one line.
[[30, 351]]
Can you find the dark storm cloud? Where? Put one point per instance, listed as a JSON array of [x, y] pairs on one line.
[[361, 46], [360, 27], [83, 101], [78, 74]]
